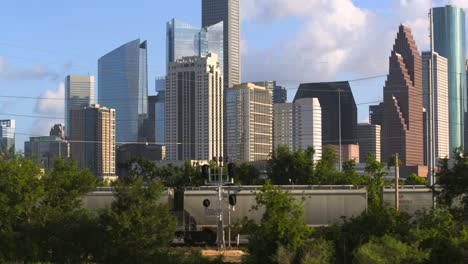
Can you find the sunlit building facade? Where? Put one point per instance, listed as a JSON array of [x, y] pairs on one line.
[[248, 123], [79, 93]]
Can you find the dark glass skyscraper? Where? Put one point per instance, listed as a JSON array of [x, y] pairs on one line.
[[123, 86], [376, 114], [330, 94], [227, 11], [450, 42]]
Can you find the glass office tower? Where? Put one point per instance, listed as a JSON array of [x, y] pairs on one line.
[[7, 135], [184, 40], [449, 42], [227, 11], [123, 86]]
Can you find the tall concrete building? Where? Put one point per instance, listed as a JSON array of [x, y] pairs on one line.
[[376, 114], [227, 11], [7, 135], [307, 125], [123, 86], [332, 96], [368, 136], [194, 109], [402, 129], [440, 101], [280, 93], [248, 123], [282, 125], [93, 139], [450, 42], [79, 93]]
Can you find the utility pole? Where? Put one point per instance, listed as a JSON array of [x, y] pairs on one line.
[[430, 113], [339, 126], [220, 230], [397, 178]]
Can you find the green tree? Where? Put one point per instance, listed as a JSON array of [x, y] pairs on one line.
[[20, 192], [136, 228], [355, 232], [60, 217], [349, 175], [140, 167], [454, 183], [326, 171], [414, 179], [282, 225], [286, 167], [437, 232], [387, 249], [247, 174], [375, 171]]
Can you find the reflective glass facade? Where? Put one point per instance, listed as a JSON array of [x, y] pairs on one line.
[[123, 86], [184, 40], [7, 134], [228, 12], [449, 42]]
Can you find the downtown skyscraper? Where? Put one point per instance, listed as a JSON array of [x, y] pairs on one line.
[[123, 86], [248, 123], [79, 93], [227, 11], [194, 109], [402, 128], [449, 39], [440, 100], [93, 140], [307, 125], [7, 135], [336, 125]]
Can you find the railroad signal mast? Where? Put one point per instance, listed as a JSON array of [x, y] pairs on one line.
[[216, 178]]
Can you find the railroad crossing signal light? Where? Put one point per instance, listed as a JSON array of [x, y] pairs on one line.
[[205, 170], [232, 199], [230, 169]]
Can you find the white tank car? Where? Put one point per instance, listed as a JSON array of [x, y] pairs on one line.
[[103, 197], [412, 197], [322, 205]]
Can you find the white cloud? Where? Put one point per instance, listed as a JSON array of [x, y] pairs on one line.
[[335, 37], [460, 3], [34, 72], [51, 102]]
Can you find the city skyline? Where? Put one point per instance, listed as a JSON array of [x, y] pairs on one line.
[[44, 64]]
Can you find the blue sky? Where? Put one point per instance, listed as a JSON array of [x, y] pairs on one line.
[[290, 41]]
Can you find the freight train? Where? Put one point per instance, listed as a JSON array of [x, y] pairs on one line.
[[322, 205]]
